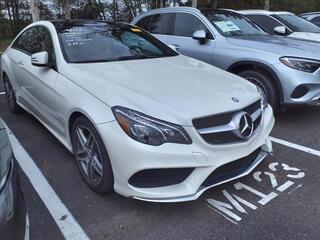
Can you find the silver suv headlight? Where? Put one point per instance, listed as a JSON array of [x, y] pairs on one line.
[[149, 130], [301, 64]]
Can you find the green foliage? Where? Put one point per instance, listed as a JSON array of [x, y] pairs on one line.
[[4, 44]]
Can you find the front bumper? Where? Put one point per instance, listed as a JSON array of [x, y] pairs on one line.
[[292, 79], [129, 157]]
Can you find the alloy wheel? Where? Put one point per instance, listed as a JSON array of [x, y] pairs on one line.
[[88, 154], [259, 85]]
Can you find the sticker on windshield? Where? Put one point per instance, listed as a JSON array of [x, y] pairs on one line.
[[227, 26]]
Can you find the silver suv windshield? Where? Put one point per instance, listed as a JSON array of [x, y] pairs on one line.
[[231, 24], [297, 24]]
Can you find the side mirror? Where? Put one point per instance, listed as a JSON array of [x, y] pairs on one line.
[[173, 47], [40, 59], [200, 35], [281, 30]]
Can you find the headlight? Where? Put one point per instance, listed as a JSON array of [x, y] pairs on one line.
[[264, 100], [149, 130], [301, 64]]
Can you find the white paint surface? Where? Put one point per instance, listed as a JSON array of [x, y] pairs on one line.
[[2, 93], [68, 226]]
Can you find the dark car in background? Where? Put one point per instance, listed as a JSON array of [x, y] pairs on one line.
[[313, 17], [13, 215]]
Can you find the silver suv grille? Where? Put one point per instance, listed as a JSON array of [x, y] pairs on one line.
[[230, 127]]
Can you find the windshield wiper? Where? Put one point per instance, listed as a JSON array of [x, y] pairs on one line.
[[135, 57], [93, 61]]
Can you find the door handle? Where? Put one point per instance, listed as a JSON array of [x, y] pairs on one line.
[[21, 63]]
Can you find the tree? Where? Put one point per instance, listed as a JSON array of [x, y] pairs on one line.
[[66, 9], [34, 9], [266, 4]]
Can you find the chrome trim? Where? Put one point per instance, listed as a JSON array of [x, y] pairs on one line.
[[231, 126], [315, 101], [262, 155]]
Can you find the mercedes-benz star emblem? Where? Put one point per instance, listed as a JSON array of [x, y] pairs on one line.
[[244, 124]]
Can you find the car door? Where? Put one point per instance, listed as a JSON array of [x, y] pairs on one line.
[[185, 24], [37, 83]]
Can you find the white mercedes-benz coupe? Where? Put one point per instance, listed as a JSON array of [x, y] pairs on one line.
[[138, 117]]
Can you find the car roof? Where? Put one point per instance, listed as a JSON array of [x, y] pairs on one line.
[[172, 9], [309, 13], [263, 12], [60, 24]]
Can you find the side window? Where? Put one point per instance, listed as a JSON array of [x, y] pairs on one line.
[[159, 23], [46, 44], [22, 42], [144, 23], [186, 24], [316, 21], [266, 22], [33, 40]]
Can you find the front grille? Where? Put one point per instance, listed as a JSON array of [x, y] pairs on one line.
[[152, 178], [220, 128], [231, 170]]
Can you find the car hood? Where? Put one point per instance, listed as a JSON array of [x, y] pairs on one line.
[[306, 36], [285, 46], [175, 89]]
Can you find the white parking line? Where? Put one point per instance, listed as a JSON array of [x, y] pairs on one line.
[[2, 93], [296, 146], [68, 226]]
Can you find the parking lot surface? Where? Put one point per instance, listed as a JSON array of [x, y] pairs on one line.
[[280, 199]]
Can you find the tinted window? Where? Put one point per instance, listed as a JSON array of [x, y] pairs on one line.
[[144, 23], [159, 23], [23, 41], [186, 24], [266, 22], [297, 24], [101, 42], [316, 21], [231, 24], [35, 39]]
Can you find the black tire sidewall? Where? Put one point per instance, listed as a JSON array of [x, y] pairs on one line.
[[267, 82], [15, 108], [107, 182]]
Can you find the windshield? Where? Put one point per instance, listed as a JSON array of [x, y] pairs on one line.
[[102, 42], [297, 24], [231, 24]]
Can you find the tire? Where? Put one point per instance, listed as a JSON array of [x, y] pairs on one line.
[[10, 95], [91, 156], [266, 83]]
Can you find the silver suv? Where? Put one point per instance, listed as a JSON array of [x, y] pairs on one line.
[[287, 70]]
